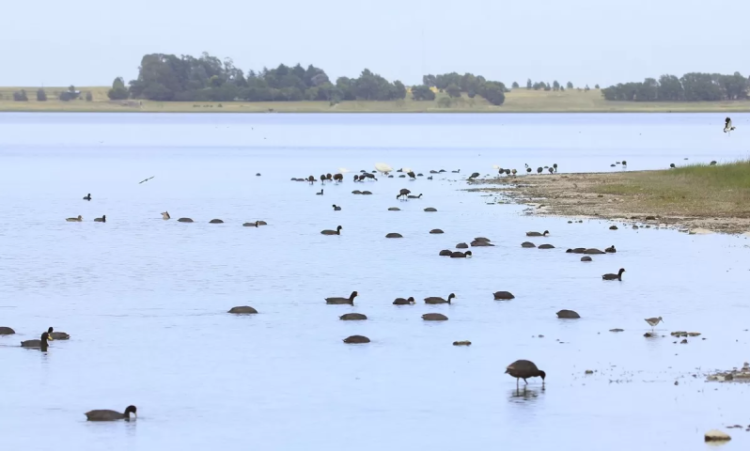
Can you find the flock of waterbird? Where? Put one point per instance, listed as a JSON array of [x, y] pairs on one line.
[[520, 369]]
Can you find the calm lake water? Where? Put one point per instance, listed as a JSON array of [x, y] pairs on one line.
[[145, 300]]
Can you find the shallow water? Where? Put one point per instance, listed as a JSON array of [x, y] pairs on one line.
[[145, 300]]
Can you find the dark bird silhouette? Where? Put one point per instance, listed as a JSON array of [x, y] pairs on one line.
[[439, 300], [320, 193], [503, 295], [37, 344], [524, 369], [349, 300], [336, 207], [402, 301], [111, 415], [332, 232], [617, 276], [87, 197], [144, 180], [102, 219]]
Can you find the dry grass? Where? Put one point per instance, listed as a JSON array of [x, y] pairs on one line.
[[517, 101], [712, 197]]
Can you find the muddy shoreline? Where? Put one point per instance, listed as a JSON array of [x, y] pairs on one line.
[[584, 196]]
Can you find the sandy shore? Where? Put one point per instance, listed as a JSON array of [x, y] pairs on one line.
[[623, 197]]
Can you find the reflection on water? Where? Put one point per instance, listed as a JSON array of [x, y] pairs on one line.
[[146, 300], [524, 394]]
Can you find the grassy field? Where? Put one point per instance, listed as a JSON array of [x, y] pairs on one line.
[[694, 190], [711, 197], [517, 101]]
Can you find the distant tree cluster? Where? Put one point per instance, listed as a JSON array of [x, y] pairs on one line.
[[186, 78], [70, 94], [454, 84], [20, 96], [691, 87]]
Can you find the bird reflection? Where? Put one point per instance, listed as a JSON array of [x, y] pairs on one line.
[[521, 395]]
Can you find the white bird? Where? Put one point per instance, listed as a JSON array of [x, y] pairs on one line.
[[384, 168], [728, 127], [146, 180]]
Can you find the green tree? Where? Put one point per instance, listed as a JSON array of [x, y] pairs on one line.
[[569, 85], [494, 92], [555, 86], [398, 91], [453, 90], [89, 96], [670, 89], [422, 93], [528, 84], [444, 102], [41, 96], [514, 85], [118, 91], [596, 86], [20, 96]]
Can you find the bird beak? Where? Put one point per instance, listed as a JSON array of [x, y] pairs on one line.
[[49, 338]]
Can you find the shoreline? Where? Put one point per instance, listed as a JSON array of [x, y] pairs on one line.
[[517, 101], [90, 111], [608, 196], [243, 109]]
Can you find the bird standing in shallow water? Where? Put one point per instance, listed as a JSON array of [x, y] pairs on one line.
[[653, 322], [87, 197], [523, 369]]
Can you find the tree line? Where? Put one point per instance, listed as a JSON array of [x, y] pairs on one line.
[[186, 78], [41, 95], [165, 77], [691, 87]]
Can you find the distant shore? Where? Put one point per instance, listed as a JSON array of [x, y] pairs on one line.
[[517, 101], [697, 198]]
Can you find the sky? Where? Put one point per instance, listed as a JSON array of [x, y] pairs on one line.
[[90, 42]]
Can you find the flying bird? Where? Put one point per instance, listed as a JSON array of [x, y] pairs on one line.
[[146, 180], [728, 127]]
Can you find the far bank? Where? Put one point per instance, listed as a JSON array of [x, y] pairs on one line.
[[516, 101]]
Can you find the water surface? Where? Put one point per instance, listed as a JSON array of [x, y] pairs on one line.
[[145, 300]]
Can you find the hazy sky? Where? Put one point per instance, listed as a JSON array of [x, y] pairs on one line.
[[89, 42]]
